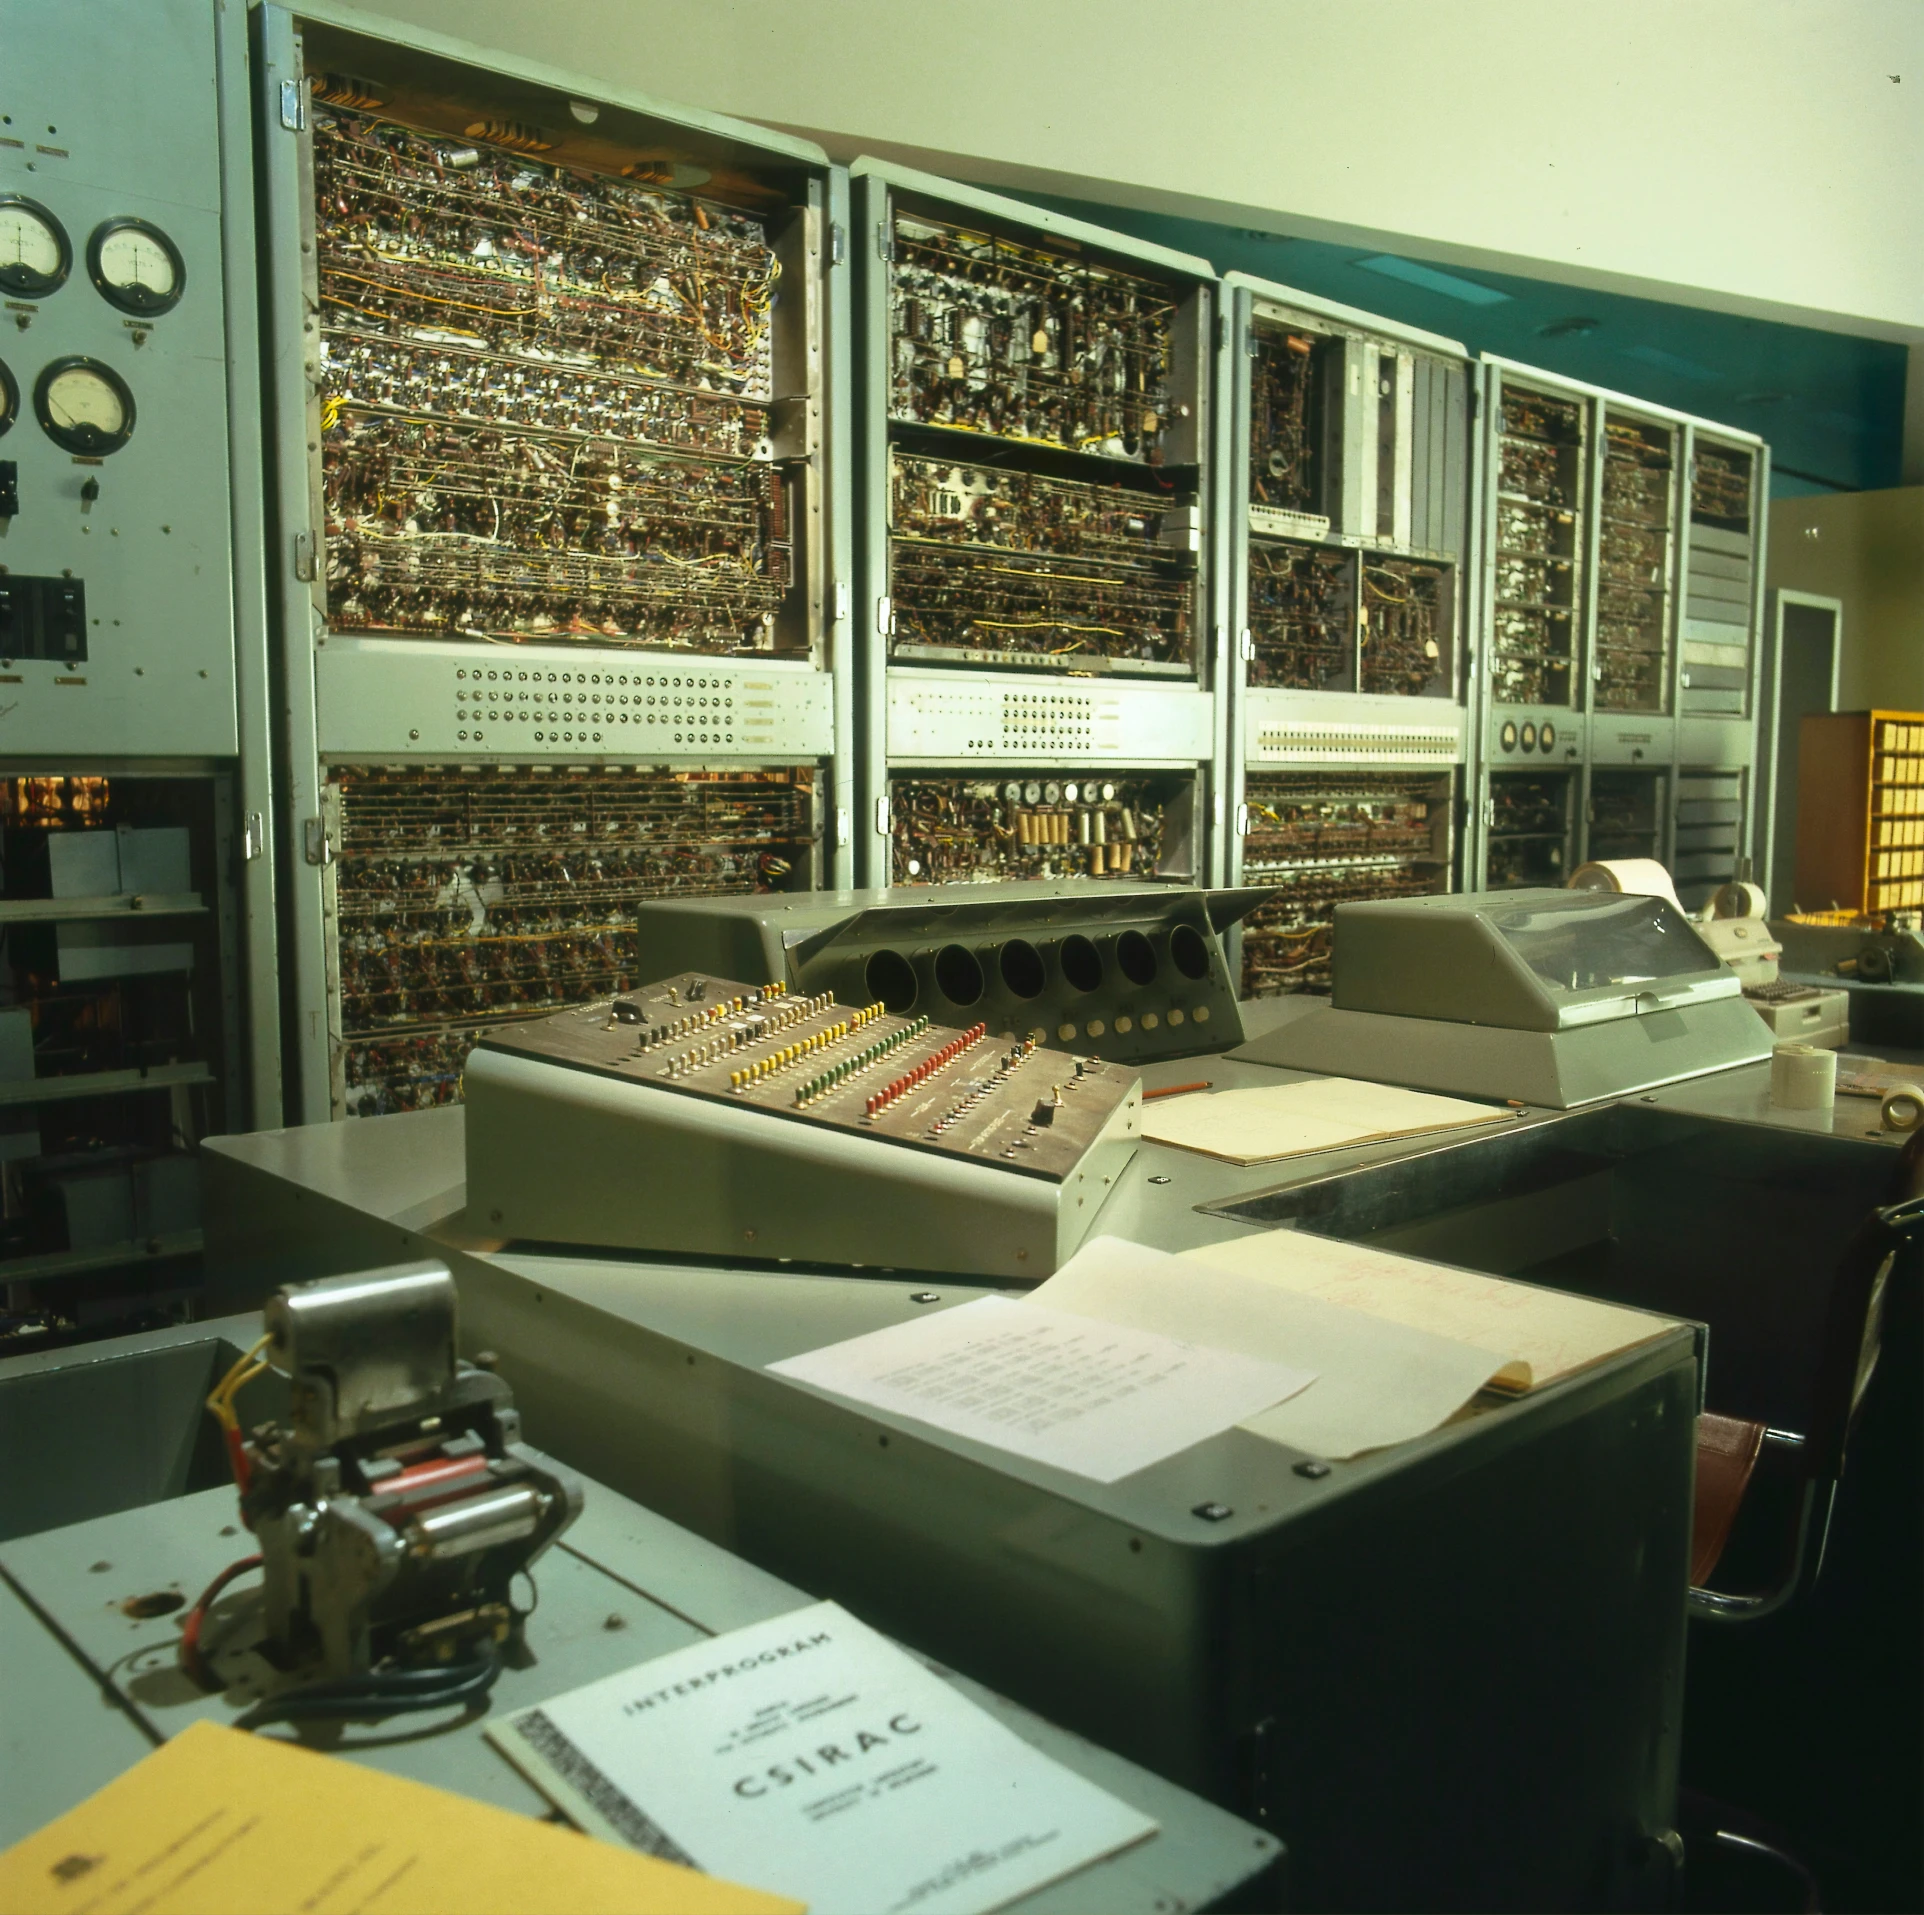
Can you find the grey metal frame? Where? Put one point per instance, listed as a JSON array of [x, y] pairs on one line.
[[1148, 715], [1334, 728], [389, 701]]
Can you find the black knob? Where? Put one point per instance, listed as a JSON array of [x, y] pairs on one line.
[[90, 491]]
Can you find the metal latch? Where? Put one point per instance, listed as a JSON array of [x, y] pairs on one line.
[[881, 817], [1242, 821], [253, 836], [884, 614], [837, 243], [1247, 645], [841, 824], [320, 845], [884, 240], [304, 556], [293, 105], [840, 600]]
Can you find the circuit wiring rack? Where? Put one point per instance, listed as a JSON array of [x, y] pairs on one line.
[[555, 441], [1035, 532], [1347, 463]]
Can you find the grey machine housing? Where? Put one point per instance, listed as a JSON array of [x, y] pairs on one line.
[[1127, 973], [1547, 997]]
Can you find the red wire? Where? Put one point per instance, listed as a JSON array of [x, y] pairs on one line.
[[191, 1660]]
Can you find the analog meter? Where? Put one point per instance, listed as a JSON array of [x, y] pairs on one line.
[[34, 253], [136, 267], [84, 406]]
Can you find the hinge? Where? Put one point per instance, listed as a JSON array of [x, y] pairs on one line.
[[253, 836], [320, 845], [293, 105], [884, 612], [839, 599], [841, 824], [304, 556], [837, 243], [881, 817], [884, 241]]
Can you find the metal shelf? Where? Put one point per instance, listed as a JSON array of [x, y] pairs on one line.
[[137, 904], [53, 1090], [73, 1263]]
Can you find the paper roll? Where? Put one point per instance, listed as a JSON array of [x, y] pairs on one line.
[[1739, 901], [1637, 877], [1903, 1107], [1802, 1077]]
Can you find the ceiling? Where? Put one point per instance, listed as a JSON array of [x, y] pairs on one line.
[[1831, 405]]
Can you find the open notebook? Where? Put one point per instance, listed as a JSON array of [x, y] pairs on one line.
[[1398, 1346]]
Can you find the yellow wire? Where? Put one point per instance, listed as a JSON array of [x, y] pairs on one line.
[[221, 1398]]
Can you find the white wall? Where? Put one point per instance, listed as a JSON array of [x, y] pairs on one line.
[[1751, 155]]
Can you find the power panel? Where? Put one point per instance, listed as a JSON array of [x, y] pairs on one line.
[[557, 431], [1035, 489]]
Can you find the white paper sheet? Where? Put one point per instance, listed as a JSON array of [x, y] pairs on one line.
[[1376, 1382], [1319, 1113], [1096, 1398], [812, 1756], [1549, 1332]]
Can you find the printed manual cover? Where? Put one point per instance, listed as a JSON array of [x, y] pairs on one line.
[[810, 1756]]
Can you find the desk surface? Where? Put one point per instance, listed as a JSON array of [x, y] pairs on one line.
[[623, 1585]]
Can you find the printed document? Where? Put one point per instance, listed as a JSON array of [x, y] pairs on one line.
[[1097, 1398], [1320, 1113], [810, 1751]]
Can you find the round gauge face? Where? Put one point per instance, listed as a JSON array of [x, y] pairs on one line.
[[84, 406], [1547, 738], [1529, 736], [34, 254], [1507, 737], [9, 400], [136, 266]]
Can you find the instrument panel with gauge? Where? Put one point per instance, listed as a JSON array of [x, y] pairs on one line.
[[117, 634]]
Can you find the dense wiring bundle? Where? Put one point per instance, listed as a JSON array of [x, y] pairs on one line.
[[1633, 517], [1031, 344], [1018, 567], [1320, 839], [465, 898], [1285, 421], [949, 830], [544, 400], [1302, 617]]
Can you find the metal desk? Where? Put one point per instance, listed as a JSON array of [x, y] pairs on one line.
[[623, 1585]]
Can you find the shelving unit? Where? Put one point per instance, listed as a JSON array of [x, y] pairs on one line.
[[1860, 812]]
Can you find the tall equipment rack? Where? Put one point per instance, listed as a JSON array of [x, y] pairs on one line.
[[1042, 692], [1346, 462], [138, 1005], [559, 571], [1618, 619]]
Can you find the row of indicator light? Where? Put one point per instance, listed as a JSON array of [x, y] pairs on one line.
[[731, 1040], [844, 1068], [924, 1070], [765, 1067], [708, 1014]]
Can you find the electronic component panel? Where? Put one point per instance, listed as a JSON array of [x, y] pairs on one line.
[[991, 566], [1035, 484], [973, 828], [1324, 838], [1540, 470], [1529, 829], [468, 897], [1626, 813], [849, 1132], [1635, 527], [556, 435]]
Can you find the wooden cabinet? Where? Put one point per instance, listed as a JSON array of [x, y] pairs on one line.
[[1860, 812]]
